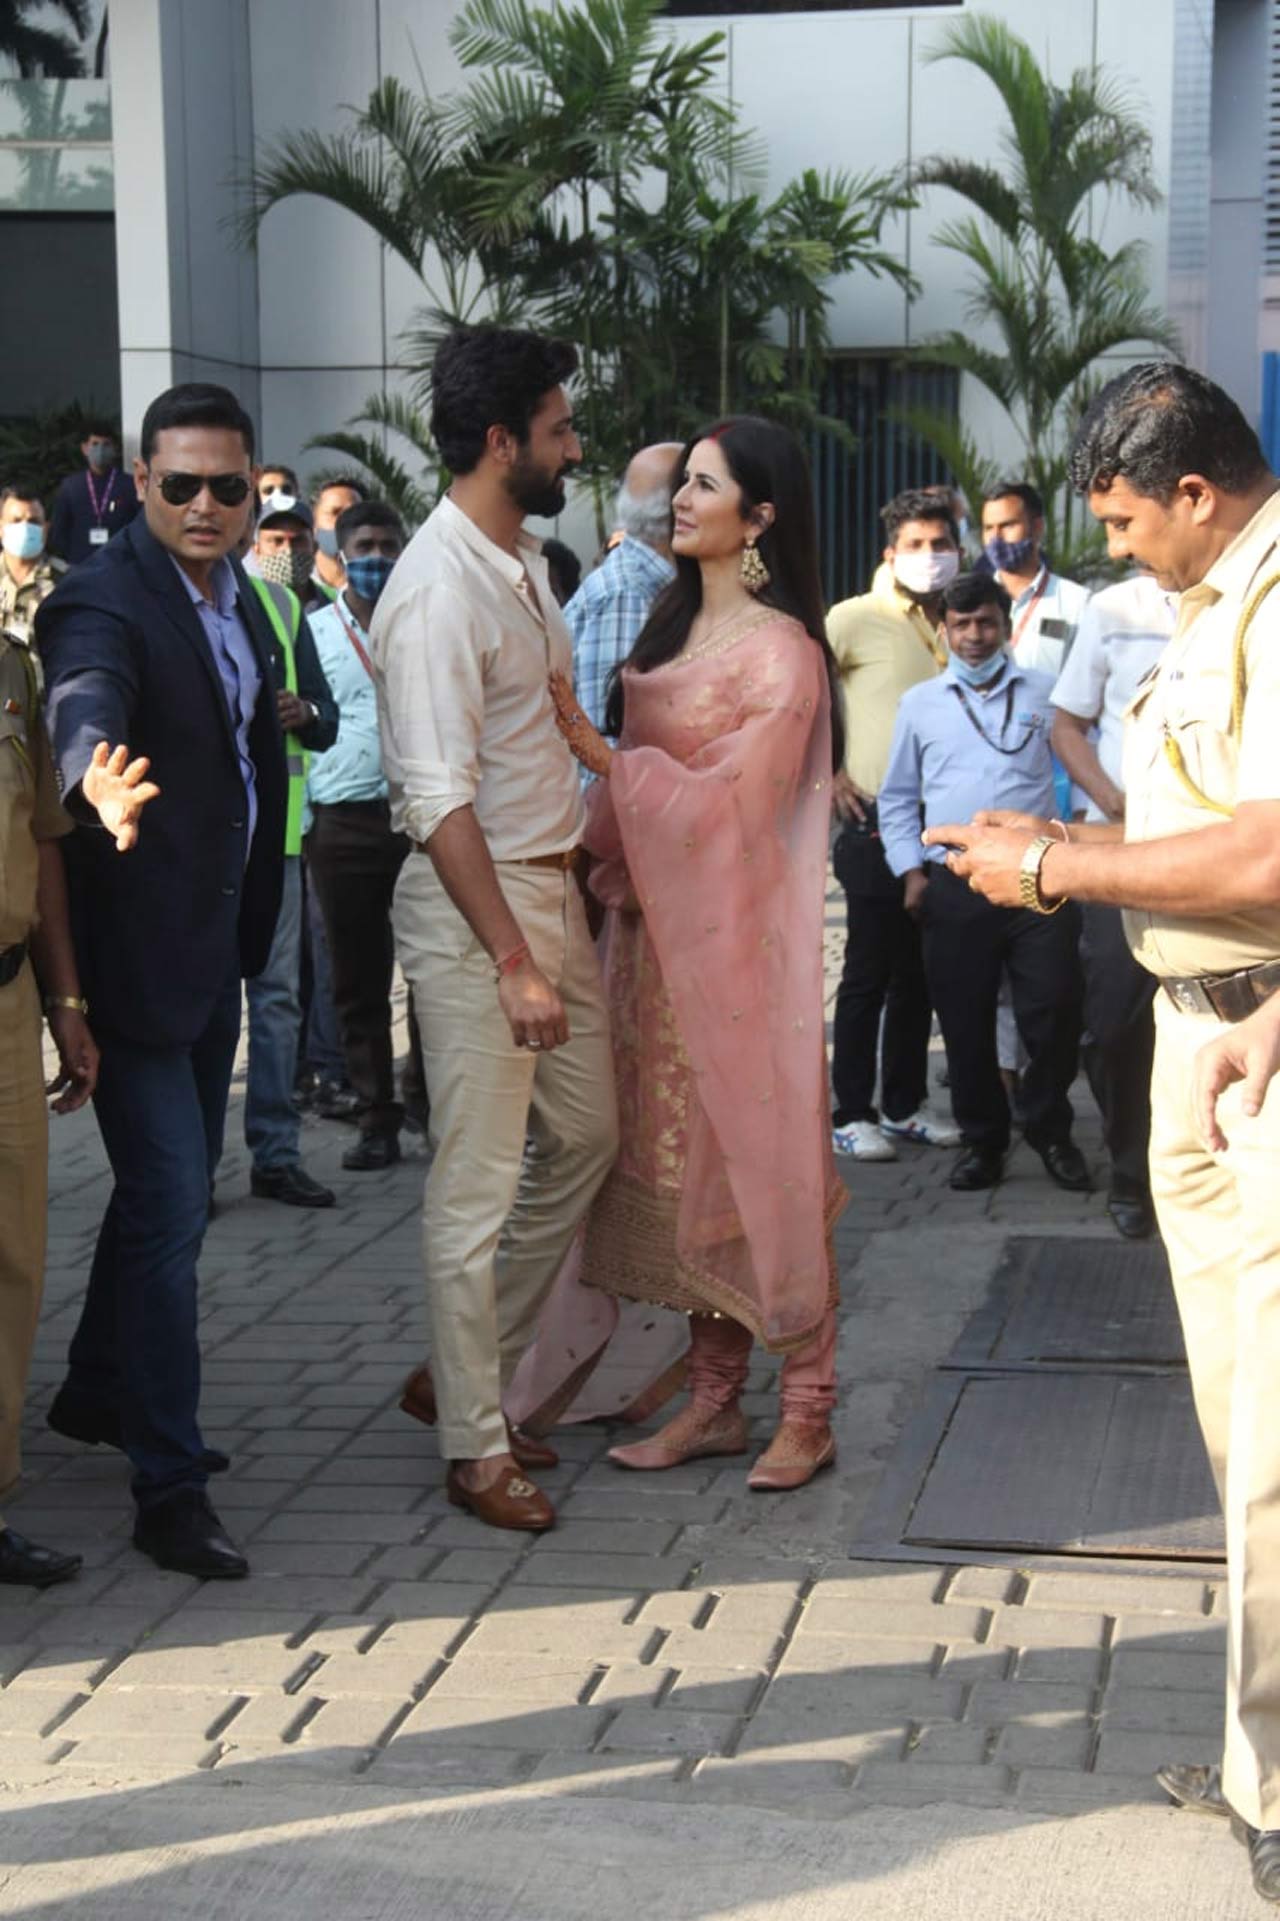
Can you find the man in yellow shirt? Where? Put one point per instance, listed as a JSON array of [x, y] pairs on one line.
[[884, 642]]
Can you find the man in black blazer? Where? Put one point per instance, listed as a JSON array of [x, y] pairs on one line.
[[168, 746]]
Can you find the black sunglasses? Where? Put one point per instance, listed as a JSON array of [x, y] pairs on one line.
[[229, 490]]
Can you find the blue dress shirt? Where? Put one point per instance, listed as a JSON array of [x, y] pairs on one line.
[[237, 665], [957, 749], [352, 768], [606, 614]]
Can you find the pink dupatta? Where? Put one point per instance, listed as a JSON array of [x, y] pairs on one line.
[[716, 815]]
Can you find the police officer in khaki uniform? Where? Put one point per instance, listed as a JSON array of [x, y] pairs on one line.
[[35, 957], [28, 573], [1176, 475]]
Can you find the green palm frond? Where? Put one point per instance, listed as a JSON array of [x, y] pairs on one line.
[[391, 478]]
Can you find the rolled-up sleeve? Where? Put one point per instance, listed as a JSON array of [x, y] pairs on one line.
[[899, 802], [430, 664]]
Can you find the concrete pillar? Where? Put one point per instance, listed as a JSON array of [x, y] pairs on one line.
[[182, 137]]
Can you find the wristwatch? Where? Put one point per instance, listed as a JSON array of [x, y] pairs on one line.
[[1029, 894]]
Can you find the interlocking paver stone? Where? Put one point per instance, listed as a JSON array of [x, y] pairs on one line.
[[675, 1638]]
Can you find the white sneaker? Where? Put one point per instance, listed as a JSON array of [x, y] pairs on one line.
[[863, 1141], [925, 1128]]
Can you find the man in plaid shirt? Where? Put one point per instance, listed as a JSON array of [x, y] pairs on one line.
[[611, 606]]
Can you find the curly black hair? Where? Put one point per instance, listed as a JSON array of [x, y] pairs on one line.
[[486, 377], [1158, 421]]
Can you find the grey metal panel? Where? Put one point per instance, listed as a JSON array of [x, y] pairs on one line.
[[1077, 1464], [1058, 1301]]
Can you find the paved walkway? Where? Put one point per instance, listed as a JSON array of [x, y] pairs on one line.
[[687, 1698]]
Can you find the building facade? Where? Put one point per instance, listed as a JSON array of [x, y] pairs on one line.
[[119, 195]]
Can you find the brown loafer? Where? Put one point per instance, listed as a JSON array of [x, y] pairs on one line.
[[511, 1502], [418, 1399]]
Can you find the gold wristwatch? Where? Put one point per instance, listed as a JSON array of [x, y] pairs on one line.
[[1029, 894]]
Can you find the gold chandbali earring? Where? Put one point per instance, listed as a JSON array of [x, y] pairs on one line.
[[755, 576]]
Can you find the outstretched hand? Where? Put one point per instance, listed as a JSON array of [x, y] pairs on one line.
[[586, 743], [988, 857], [114, 786]]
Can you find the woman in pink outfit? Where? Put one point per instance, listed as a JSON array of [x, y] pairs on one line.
[[709, 829]]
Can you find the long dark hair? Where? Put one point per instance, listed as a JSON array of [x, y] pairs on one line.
[[767, 463]]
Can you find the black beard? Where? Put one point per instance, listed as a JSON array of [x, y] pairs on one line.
[[535, 493]]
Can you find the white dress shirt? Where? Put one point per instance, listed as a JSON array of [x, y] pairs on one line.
[[462, 640], [1122, 634], [1044, 621]]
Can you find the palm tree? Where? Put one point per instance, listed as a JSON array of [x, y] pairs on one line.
[[1047, 299], [43, 53], [589, 179]]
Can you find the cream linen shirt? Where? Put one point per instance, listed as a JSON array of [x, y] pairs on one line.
[[883, 643], [462, 641], [1188, 699]]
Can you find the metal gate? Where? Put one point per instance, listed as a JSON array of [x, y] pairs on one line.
[[852, 487]]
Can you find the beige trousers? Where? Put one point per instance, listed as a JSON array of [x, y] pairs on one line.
[[522, 1140], [1220, 1218], [24, 1187]]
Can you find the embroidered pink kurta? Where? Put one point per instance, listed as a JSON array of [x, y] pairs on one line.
[[715, 820]]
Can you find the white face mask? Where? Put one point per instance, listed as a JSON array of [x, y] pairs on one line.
[[23, 539], [923, 574]]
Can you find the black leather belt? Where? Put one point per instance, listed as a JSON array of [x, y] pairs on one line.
[[11, 959], [1231, 997]]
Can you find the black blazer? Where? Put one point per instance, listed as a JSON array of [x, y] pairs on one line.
[[159, 930]]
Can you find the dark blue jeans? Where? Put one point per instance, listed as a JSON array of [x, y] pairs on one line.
[[161, 1112]]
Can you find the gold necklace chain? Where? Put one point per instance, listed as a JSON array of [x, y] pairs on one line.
[[741, 622]]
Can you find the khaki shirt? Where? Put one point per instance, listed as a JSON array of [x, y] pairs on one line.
[[30, 810], [883, 643], [18, 604], [1188, 698]]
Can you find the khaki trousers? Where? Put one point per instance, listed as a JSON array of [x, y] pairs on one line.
[[522, 1140], [24, 1188], [1220, 1218]]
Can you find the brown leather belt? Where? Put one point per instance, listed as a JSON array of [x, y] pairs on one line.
[[565, 862], [1231, 997]]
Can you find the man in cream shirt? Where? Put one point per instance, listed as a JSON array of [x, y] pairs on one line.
[[489, 920]]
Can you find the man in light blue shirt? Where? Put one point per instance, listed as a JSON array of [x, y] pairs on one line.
[[612, 605], [353, 855], [978, 737]]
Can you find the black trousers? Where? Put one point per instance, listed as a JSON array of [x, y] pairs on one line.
[[354, 860], [883, 974], [968, 945], [1118, 1044]]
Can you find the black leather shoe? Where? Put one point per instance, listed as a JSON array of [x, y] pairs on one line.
[[1263, 1845], [100, 1427], [1197, 1789], [370, 1151], [23, 1564], [1065, 1164], [334, 1103], [1132, 1215], [292, 1185], [976, 1168], [185, 1534]]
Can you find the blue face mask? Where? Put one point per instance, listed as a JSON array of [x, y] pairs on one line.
[[327, 542], [983, 673], [368, 574], [24, 539], [1009, 556]]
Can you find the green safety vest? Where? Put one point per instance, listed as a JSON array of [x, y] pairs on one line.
[[296, 756]]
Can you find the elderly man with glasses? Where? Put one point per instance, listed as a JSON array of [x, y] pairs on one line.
[[165, 733]]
